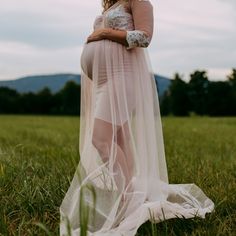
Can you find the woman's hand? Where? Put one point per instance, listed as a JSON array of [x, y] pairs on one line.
[[115, 35], [97, 35]]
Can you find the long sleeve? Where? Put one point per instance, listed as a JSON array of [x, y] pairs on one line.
[[142, 11]]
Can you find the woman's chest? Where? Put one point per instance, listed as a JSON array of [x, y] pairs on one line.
[[119, 17]]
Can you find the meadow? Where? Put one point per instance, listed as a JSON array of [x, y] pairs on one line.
[[39, 155]]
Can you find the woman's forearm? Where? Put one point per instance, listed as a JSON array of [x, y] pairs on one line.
[[118, 36]]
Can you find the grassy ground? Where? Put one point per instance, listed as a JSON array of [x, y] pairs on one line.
[[38, 157]]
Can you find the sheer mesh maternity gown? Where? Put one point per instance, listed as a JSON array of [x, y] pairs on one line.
[[121, 180]]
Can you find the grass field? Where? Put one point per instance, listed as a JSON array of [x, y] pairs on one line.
[[39, 154]]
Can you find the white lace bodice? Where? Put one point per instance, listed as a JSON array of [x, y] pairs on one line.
[[127, 15]]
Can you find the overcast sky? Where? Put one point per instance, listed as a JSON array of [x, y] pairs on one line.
[[47, 36]]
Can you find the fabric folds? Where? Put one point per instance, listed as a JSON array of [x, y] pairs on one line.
[[121, 180]]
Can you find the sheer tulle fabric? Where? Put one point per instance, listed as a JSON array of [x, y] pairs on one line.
[[121, 180], [122, 150]]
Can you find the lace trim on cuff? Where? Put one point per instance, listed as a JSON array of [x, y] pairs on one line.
[[137, 38]]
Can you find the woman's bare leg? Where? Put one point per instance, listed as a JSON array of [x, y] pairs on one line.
[[103, 135], [123, 140]]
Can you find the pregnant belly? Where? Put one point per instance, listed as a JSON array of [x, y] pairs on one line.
[[98, 57], [93, 58]]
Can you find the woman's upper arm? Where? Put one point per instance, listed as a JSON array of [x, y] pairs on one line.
[[142, 11]]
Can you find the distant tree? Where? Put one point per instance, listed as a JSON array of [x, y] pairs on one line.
[[232, 78], [232, 83], [28, 103], [219, 101], [165, 103], [43, 102], [70, 98], [8, 100], [178, 96], [57, 106], [198, 89]]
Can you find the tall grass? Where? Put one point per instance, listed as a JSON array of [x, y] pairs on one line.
[[39, 156]]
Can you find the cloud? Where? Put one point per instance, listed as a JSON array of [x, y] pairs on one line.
[[195, 34], [49, 24], [48, 36], [24, 59]]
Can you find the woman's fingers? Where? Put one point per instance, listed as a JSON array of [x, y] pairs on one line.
[[95, 36]]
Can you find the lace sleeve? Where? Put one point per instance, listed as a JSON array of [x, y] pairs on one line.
[[142, 11]]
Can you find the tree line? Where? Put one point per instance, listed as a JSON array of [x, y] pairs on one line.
[[198, 96], [64, 102]]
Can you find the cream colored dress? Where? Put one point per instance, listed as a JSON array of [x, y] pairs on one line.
[[121, 180]]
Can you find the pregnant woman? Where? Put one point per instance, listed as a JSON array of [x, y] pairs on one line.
[[121, 180]]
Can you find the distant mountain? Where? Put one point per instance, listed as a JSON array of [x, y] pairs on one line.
[[57, 81], [163, 84], [38, 82]]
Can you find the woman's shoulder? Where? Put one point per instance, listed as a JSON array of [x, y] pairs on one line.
[[132, 2], [140, 5]]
